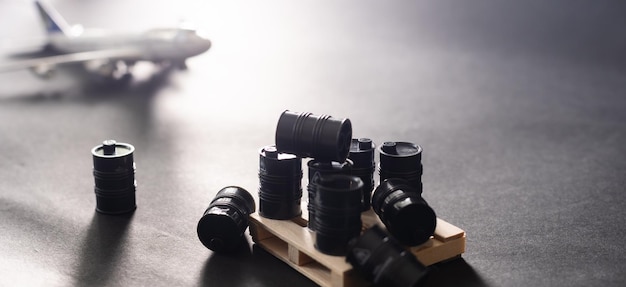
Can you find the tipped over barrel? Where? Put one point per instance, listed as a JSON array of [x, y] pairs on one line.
[[223, 223], [307, 135]]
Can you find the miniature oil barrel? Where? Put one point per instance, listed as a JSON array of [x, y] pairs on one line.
[[223, 223], [401, 160], [338, 212], [322, 168], [319, 137], [384, 261], [363, 166], [280, 184], [404, 212], [114, 176]]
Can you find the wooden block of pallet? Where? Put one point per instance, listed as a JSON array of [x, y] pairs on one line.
[[292, 242]]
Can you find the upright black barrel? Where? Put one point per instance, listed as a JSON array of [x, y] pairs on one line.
[[114, 176], [280, 184], [338, 212], [322, 168], [401, 160], [363, 165]]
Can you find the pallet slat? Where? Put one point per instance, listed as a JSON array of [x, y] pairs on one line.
[[446, 231]]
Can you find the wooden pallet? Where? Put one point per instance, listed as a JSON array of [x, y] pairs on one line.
[[292, 242]]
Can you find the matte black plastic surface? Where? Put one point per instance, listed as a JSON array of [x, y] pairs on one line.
[[223, 223], [307, 135], [338, 212], [382, 260], [321, 168], [401, 160], [404, 212], [361, 154], [280, 184], [114, 177]]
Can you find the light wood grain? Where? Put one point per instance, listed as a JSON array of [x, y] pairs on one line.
[[446, 231], [293, 243]]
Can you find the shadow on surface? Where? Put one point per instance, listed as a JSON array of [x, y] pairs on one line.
[[226, 267], [73, 83], [102, 249], [85, 105], [246, 268], [454, 273]]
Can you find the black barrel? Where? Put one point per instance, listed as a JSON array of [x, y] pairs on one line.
[[384, 261], [223, 223], [363, 166], [307, 135], [280, 184], [404, 212], [114, 176], [338, 212], [401, 160], [322, 168]]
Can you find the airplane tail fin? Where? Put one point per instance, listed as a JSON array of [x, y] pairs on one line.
[[52, 19]]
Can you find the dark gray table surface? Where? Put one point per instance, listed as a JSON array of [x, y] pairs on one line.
[[520, 107]]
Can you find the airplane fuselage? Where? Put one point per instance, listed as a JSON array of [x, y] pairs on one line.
[[154, 45]]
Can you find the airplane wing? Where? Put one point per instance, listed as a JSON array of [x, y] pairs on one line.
[[52, 61]]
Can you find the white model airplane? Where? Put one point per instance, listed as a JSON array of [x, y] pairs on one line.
[[107, 54]]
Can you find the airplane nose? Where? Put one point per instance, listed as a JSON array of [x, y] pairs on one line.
[[201, 46], [206, 45], [196, 45]]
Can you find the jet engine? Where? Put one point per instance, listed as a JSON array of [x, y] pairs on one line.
[[43, 71], [108, 69]]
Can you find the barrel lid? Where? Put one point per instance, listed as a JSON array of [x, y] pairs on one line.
[[400, 149], [272, 152], [218, 232], [111, 149], [361, 145]]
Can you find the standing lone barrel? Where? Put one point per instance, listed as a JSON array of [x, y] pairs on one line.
[[114, 176]]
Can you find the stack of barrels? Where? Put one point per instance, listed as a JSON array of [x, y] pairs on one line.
[[340, 187]]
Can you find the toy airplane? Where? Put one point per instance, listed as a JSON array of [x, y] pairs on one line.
[[108, 55]]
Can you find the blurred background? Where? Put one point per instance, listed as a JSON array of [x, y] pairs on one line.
[[519, 106]]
